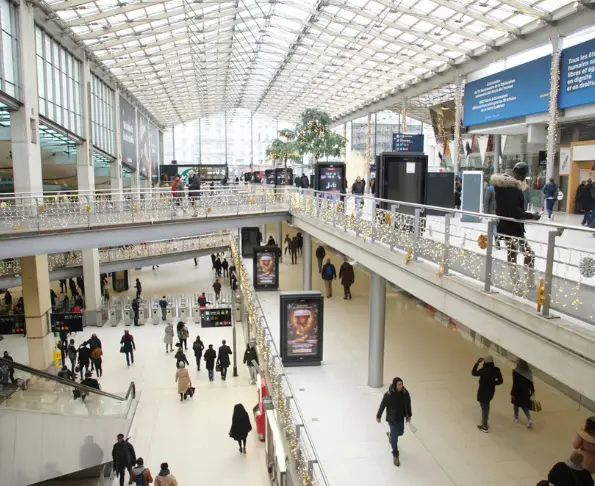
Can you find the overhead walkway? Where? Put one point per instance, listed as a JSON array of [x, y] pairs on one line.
[[47, 433], [70, 264]]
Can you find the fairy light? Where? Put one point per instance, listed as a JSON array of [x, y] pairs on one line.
[[552, 129]]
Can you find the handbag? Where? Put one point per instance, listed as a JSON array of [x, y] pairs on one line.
[[122, 349], [191, 391], [218, 367], [535, 406]]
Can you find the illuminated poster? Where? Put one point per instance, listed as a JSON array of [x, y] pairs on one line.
[[128, 133], [301, 328], [266, 268], [143, 149], [329, 177], [154, 151]]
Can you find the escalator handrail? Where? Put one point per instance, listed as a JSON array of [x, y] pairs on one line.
[[73, 384]]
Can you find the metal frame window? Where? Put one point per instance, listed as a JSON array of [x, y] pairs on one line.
[[103, 116], [59, 87], [9, 48]]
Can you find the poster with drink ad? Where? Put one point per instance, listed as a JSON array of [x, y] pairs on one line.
[[301, 328], [266, 268]]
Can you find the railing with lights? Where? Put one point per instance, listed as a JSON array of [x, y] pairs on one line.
[[550, 274], [125, 253]]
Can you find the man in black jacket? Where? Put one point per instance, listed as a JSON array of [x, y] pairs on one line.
[[510, 203], [223, 359], [123, 457], [250, 357], [320, 254], [489, 378], [397, 403]]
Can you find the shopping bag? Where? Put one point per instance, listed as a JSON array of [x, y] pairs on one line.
[[122, 349], [535, 406]]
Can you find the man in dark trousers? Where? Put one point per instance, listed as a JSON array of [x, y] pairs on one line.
[[223, 358], [329, 273], [123, 457], [135, 310], [347, 277], [225, 267], [163, 305], [8, 357], [489, 378], [210, 357], [293, 248], [139, 288], [397, 403], [250, 357], [320, 254], [217, 289]]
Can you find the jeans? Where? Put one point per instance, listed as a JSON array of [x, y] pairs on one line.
[[129, 357], [525, 411], [211, 375], [485, 413], [319, 265], [183, 343], [549, 205], [588, 217], [347, 291], [397, 429], [223, 372], [198, 356], [252, 371]]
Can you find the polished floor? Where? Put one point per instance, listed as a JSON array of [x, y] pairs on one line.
[[193, 436], [435, 363]]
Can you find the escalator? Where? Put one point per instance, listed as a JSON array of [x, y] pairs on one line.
[[46, 433]]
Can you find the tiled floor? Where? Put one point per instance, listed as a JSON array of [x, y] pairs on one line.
[[192, 436], [435, 363]]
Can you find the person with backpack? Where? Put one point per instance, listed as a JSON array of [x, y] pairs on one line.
[[177, 190], [550, 191], [163, 305], [168, 339], [165, 478], [320, 254], [569, 473], [198, 347], [135, 310], [128, 347], [140, 475], [210, 357], [96, 357], [123, 457], [182, 335], [397, 403], [329, 273], [489, 378]]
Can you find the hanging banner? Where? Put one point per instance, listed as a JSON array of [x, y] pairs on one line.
[[154, 151], [128, 133], [565, 161], [577, 79], [161, 150], [143, 149]]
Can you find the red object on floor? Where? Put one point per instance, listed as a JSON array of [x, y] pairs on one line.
[[258, 410]]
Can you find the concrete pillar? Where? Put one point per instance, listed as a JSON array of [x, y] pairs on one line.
[[84, 154], [307, 279], [377, 327], [93, 297], [368, 153], [497, 150], [24, 123], [263, 230], [36, 295], [279, 239], [115, 171]]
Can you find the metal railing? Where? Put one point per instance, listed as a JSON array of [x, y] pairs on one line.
[[137, 251]]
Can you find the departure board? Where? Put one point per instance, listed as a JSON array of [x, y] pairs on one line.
[[215, 317]]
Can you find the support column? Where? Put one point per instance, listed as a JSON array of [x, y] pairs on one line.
[[199, 142], [377, 327], [36, 295], [93, 297], [497, 150], [85, 172], [552, 127], [225, 133], [307, 278], [251, 140], [115, 170], [458, 121], [279, 239]]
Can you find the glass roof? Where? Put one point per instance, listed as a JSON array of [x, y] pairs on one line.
[[185, 59]]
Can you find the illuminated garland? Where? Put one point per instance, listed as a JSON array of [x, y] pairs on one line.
[[458, 120], [552, 128]]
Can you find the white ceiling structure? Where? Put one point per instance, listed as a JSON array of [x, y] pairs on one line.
[[185, 59]]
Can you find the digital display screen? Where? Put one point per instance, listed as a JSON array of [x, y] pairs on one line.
[[330, 179], [215, 317], [69, 322], [270, 176], [266, 268], [301, 328], [12, 324]]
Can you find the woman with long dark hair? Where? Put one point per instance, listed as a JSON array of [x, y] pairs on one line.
[[522, 391], [240, 426]]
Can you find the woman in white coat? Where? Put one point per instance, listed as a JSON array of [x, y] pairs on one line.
[[168, 339]]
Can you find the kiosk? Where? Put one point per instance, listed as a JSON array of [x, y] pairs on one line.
[[402, 177]]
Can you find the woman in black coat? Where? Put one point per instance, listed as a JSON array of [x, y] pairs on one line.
[[522, 391], [489, 378], [240, 426]]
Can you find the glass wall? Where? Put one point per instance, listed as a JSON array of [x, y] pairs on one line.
[[58, 78], [102, 115], [9, 72], [384, 124]]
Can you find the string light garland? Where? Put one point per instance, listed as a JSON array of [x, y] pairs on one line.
[[552, 129]]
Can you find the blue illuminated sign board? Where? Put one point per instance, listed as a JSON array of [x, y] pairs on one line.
[[402, 142], [519, 91], [577, 75]]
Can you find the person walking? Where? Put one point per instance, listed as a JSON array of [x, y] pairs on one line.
[[139, 288], [63, 286], [218, 266], [6, 355], [300, 243], [140, 475], [585, 443], [458, 192], [183, 381], [202, 300], [213, 258], [397, 403], [271, 241], [198, 347], [72, 352], [287, 242], [182, 335], [225, 267], [168, 338], [320, 254], [250, 356], [328, 275], [240, 426], [128, 347], [522, 391], [177, 190], [357, 189], [123, 457], [210, 357], [180, 356], [293, 250], [489, 206], [586, 200], [84, 358], [217, 289], [135, 310], [550, 191], [223, 358], [163, 305], [489, 378], [96, 357], [570, 473], [165, 478], [347, 277]]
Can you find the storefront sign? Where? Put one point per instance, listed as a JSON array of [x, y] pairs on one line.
[[518, 91], [577, 75], [403, 142]]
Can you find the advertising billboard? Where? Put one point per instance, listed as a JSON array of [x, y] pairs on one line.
[[128, 133], [518, 91], [143, 149], [328, 177], [302, 323], [154, 151], [577, 79], [403, 142], [266, 268]]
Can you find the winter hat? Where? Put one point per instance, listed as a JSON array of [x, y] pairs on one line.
[[576, 461], [488, 359]]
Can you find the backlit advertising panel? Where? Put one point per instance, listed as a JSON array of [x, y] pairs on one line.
[[128, 133], [143, 149], [577, 75], [266, 268]]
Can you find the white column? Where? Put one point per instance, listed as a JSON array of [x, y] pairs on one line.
[[225, 134], [115, 171], [251, 140], [307, 275], [84, 155], [135, 183], [279, 239], [377, 328], [24, 123], [93, 297], [497, 150], [456, 156], [552, 128]]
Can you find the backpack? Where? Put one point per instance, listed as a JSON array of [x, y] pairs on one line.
[[97, 353], [327, 272], [140, 478]]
